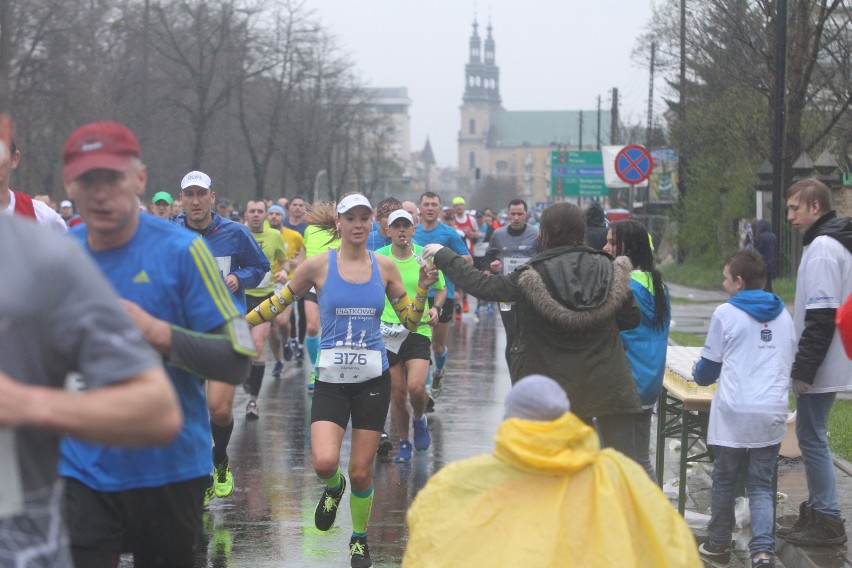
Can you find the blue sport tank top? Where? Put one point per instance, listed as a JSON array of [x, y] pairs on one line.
[[351, 346]]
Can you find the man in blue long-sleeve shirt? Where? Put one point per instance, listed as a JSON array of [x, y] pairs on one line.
[[243, 265]]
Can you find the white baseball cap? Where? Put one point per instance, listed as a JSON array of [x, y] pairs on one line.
[[400, 214], [66, 203], [354, 200], [196, 178]]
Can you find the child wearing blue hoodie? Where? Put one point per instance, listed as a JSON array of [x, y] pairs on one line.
[[749, 350]]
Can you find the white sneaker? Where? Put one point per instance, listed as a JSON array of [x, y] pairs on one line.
[[251, 411]]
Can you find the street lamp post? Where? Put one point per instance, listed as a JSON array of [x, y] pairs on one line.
[[827, 170], [763, 190]]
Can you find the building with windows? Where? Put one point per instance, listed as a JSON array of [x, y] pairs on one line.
[[393, 103], [514, 146]]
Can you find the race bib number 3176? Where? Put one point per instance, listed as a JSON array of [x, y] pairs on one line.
[[343, 364]]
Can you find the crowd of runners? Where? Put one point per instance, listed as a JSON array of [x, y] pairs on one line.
[[351, 291]]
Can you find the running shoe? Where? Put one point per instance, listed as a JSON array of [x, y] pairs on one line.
[[457, 309], [276, 370], [422, 437], [251, 410], [223, 480], [437, 382], [465, 306], [716, 555], [288, 350], [430, 404], [326, 510], [404, 452], [298, 353], [359, 552], [385, 445], [312, 381], [209, 494], [762, 563]]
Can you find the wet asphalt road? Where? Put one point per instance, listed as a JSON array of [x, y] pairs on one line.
[[268, 520]]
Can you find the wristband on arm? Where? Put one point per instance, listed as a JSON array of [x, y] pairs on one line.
[[268, 309], [410, 312]]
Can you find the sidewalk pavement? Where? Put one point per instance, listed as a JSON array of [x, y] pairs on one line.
[[692, 308], [696, 294], [792, 490], [792, 487], [791, 481]]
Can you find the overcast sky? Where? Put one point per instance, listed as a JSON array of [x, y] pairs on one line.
[[552, 55]]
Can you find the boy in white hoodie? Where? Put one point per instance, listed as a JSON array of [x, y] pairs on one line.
[[749, 350]]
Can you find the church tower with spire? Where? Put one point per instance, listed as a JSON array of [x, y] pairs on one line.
[[481, 98], [507, 153]]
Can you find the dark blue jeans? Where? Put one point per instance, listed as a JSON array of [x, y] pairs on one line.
[[812, 412], [759, 465]]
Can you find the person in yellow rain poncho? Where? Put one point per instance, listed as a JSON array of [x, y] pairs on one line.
[[547, 496]]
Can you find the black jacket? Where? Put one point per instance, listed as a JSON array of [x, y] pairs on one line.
[[596, 226]]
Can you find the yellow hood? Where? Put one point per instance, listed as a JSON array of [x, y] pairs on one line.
[[560, 447], [547, 497]]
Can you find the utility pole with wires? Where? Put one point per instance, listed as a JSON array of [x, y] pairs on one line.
[[580, 145], [598, 145], [613, 134]]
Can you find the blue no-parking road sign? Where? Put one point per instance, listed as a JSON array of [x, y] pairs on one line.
[[633, 164]]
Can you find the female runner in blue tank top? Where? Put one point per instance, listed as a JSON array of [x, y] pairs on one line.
[[354, 381]]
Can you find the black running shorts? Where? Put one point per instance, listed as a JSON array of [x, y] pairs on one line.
[[366, 403], [159, 525], [254, 301], [415, 346]]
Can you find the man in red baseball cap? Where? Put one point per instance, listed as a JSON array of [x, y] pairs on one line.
[[99, 145], [147, 501]]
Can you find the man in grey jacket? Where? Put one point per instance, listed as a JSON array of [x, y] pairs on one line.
[[512, 246]]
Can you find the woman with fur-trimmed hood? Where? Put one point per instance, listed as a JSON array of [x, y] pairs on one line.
[[573, 301]]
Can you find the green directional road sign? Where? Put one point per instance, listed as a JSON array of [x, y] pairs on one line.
[[577, 173]]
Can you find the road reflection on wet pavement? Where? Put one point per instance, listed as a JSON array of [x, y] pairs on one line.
[[268, 520]]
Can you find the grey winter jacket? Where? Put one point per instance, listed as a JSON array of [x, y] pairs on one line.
[[572, 303]]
